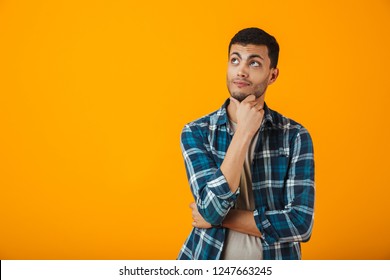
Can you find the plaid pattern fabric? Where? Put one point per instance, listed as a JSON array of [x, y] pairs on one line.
[[282, 180]]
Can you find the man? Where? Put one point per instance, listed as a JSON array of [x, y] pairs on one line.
[[251, 170]]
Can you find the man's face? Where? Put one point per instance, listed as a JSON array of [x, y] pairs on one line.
[[249, 71]]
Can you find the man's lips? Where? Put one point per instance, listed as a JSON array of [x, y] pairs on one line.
[[241, 83]]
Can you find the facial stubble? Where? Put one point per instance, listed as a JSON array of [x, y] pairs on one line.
[[240, 96]]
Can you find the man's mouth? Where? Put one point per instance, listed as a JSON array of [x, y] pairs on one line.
[[241, 83]]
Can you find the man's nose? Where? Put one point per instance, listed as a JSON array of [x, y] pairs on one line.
[[242, 71]]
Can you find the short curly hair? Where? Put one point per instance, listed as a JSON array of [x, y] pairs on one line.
[[257, 36]]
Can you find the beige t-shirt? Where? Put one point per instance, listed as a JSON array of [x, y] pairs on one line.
[[241, 246]]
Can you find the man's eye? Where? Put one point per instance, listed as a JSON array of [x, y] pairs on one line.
[[234, 61], [255, 63]]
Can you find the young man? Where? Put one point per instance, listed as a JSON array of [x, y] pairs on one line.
[[251, 170]]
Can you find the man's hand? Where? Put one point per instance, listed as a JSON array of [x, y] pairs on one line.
[[198, 222], [238, 220], [249, 114]]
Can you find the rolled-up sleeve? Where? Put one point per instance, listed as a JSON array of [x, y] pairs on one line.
[[208, 184]]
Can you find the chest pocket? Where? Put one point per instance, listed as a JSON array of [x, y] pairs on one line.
[[272, 165]]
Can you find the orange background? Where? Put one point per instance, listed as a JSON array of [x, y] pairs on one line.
[[94, 95]]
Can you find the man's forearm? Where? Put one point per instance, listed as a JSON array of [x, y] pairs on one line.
[[234, 159], [241, 221], [238, 220], [248, 114]]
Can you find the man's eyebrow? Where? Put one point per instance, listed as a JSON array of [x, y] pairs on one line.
[[236, 53], [255, 55], [249, 57]]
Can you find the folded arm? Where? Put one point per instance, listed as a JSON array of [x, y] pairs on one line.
[[238, 220], [295, 221]]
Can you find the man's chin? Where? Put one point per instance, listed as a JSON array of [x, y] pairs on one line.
[[239, 96]]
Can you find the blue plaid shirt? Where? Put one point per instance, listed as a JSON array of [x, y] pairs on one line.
[[282, 181]]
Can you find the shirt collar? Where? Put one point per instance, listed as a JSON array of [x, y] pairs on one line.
[[222, 116]]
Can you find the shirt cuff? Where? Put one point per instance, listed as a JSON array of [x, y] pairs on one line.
[[220, 187]]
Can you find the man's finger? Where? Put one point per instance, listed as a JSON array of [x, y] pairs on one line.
[[249, 98]]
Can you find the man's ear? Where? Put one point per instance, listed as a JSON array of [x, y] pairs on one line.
[[274, 75]]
